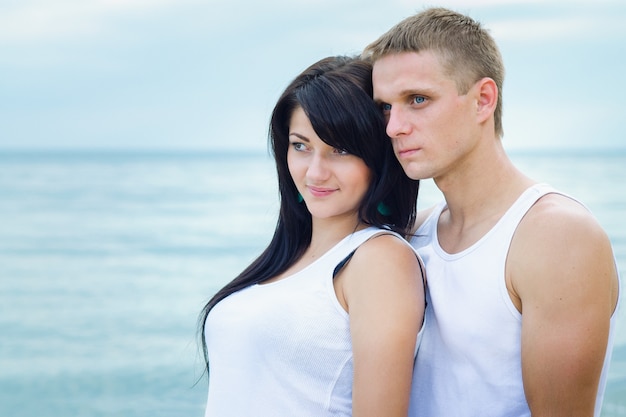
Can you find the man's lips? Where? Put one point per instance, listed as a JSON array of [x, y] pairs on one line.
[[403, 153]]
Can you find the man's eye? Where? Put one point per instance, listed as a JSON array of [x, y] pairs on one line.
[[419, 99], [385, 107]]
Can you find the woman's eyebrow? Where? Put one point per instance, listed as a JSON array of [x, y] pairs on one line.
[[299, 136]]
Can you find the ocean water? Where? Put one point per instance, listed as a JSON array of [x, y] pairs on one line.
[[107, 258]]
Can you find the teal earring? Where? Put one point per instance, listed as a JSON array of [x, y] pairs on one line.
[[300, 198], [383, 209]]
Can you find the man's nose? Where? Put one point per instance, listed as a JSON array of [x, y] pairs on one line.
[[397, 123]]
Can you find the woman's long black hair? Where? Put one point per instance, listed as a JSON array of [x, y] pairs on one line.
[[336, 95]]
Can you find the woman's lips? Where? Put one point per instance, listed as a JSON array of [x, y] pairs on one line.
[[320, 191]]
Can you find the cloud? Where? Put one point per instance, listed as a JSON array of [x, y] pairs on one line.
[[41, 20], [35, 21], [557, 28], [187, 72]]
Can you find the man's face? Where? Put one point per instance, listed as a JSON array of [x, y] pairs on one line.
[[428, 122]]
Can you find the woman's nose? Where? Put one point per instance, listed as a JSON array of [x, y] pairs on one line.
[[318, 168]]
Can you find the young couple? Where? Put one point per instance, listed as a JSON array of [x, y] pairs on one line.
[[514, 314]]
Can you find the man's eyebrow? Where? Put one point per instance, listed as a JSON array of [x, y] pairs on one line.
[[417, 92], [409, 92]]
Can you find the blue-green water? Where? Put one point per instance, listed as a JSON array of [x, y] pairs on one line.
[[107, 258]]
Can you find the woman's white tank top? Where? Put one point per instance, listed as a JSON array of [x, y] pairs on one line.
[[283, 348]]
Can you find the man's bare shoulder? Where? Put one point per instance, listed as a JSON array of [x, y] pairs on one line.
[[559, 213], [559, 246], [557, 226]]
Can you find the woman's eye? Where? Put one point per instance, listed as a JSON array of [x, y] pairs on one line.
[[298, 146], [341, 152]]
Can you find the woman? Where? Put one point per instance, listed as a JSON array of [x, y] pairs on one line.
[[325, 321]]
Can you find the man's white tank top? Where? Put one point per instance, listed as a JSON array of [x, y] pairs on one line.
[[469, 363], [283, 348]]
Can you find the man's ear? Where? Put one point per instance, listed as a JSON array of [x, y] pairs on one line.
[[487, 98]]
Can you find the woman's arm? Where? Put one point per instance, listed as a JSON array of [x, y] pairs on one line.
[[382, 290]]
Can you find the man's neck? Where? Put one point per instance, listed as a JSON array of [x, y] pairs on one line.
[[477, 196]]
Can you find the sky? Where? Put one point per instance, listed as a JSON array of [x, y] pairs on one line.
[[205, 74]]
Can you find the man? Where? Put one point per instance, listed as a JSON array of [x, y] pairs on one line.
[[523, 286]]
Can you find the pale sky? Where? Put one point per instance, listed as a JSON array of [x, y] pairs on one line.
[[198, 75]]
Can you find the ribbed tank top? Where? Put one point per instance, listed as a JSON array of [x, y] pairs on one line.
[[469, 363], [283, 348]]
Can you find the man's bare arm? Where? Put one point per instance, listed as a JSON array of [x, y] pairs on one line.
[[562, 276]]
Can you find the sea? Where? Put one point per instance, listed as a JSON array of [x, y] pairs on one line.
[[107, 257]]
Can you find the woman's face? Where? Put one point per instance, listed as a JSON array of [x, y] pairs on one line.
[[331, 181]]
